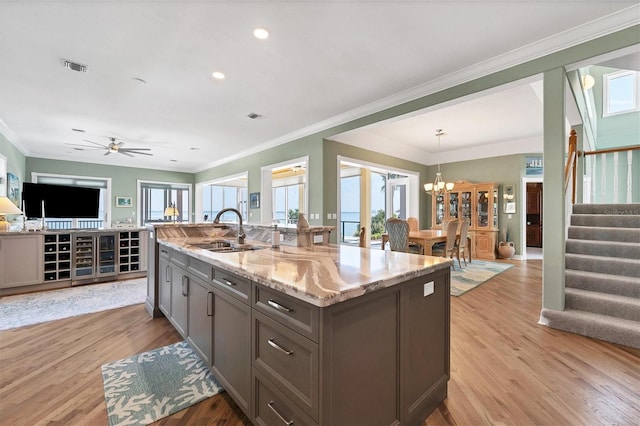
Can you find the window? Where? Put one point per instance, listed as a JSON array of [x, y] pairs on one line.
[[286, 204], [218, 197], [621, 93], [156, 196], [104, 212]]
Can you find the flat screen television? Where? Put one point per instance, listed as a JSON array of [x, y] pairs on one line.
[[60, 201]]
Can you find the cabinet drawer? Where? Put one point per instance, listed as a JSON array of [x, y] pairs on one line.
[[165, 252], [288, 360], [200, 269], [179, 258], [232, 284], [272, 407], [294, 313]]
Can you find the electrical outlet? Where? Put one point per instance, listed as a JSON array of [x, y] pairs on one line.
[[428, 288]]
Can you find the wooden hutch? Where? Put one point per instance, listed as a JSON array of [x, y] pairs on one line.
[[476, 203]]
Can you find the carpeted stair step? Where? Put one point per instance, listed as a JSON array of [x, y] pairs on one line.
[[611, 329], [603, 233], [604, 248], [602, 283], [601, 303], [605, 220], [610, 209], [605, 265]]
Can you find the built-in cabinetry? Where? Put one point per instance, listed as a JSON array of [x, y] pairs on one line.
[[57, 257], [534, 214], [477, 204], [284, 360], [20, 260], [131, 251]]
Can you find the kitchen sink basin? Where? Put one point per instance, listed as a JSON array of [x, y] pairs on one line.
[[224, 246]]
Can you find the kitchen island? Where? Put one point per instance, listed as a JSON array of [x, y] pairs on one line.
[[320, 334]]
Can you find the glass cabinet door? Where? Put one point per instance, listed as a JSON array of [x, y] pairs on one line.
[[439, 210], [495, 208], [454, 201], [484, 198], [465, 206]]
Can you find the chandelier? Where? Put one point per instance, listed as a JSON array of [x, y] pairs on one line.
[[438, 186]]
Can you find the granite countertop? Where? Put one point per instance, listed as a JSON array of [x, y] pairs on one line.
[[320, 274]]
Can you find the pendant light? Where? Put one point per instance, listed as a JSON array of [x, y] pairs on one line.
[[439, 185]]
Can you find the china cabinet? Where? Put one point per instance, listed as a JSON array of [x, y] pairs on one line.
[[476, 203]]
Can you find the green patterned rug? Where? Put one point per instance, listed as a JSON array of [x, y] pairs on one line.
[[149, 386], [474, 274]]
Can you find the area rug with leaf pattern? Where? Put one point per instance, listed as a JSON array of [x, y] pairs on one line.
[[475, 273], [143, 388]]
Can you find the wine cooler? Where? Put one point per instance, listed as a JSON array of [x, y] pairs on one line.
[[94, 256]]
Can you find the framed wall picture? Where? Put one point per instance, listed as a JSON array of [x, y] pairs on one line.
[[13, 188], [123, 202], [254, 200]]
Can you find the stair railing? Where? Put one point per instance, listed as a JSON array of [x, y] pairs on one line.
[[571, 167]]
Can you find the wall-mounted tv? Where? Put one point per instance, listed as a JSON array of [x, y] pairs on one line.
[[60, 201]]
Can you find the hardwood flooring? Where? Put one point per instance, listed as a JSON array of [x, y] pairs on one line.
[[505, 369]]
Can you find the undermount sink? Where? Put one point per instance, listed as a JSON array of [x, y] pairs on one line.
[[224, 246]]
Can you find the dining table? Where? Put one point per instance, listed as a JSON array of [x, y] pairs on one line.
[[427, 238]]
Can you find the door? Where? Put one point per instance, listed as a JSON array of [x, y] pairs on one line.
[[534, 214], [397, 197]]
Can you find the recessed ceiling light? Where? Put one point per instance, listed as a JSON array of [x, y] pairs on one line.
[[139, 80], [218, 75], [78, 130], [261, 34], [174, 161], [194, 148], [253, 115]]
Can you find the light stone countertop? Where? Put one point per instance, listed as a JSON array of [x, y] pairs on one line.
[[321, 274]]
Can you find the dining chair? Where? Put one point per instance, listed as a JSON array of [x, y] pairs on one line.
[[413, 224], [461, 246], [398, 231], [448, 249]]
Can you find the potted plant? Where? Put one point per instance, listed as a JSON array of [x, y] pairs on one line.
[[506, 247]]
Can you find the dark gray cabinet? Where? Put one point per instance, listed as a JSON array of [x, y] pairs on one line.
[[380, 358], [179, 297], [164, 282], [231, 348], [200, 315]]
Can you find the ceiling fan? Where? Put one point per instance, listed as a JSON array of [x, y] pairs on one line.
[[113, 147]]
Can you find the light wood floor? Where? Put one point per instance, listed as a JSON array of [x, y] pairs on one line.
[[505, 369]]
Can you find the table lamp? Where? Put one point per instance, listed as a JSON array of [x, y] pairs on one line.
[[7, 207], [172, 211]]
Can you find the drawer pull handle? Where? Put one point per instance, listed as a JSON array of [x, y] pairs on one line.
[[278, 306], [286, 422], [273, 344], [229, 283]]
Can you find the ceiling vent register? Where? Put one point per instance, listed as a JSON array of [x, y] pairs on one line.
[[74, 66]]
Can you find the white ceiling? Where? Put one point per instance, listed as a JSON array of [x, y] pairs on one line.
[[325, 63]]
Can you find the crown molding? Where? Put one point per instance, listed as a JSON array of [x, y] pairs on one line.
[[603, 26], [9, 135]]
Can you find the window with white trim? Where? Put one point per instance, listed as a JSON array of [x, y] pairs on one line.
[[620, 93], [155, 197]]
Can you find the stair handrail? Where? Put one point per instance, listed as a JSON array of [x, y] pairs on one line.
[[609, 150], [571, 165]]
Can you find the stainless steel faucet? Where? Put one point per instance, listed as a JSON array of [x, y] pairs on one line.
[[241, 234]]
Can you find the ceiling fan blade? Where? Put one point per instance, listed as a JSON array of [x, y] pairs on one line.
[[108, 152], [129, 151], [135, 149], [84, 146], [125, 153], [96, 143]]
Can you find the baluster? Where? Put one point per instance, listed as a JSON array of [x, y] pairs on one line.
[[629, 174], [603, 187], [615, 178]]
